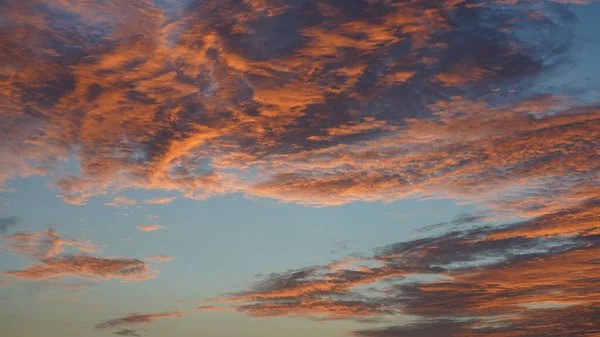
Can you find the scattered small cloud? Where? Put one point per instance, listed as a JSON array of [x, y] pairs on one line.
[[120, 201], [160, 201], [150, 228]]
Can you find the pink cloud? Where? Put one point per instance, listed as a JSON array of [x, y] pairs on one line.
[[150, 228], [86, 267], [159, 201], [45, 244], [118, 201]]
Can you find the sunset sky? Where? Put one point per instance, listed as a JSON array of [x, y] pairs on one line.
[[301, 168]]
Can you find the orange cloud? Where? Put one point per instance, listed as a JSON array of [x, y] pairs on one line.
[[495, 280], [150, 228], [160, 201], [369, 110], [118, 201], [85, 267], [44, 244], [321, 103]]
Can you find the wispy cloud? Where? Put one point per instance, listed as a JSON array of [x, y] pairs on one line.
[[150, 228], [137, 319], [63, 286], [44, 244], [160, 201], [484, 281], [212, 308], [87, 268], [48, 248], [160, 258], [119, 201]]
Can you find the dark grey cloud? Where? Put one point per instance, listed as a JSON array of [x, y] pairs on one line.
[[459, 221]]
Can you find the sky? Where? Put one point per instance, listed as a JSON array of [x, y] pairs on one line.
[[367, 168]]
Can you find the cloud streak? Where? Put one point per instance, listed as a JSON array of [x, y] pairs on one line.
[[132, 319], [87, 268], [528, 278], [150, 228], [160, 258], [119, 201], [160, 201]]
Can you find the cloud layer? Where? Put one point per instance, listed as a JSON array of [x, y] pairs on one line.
[[531, 278], [314, 102]]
